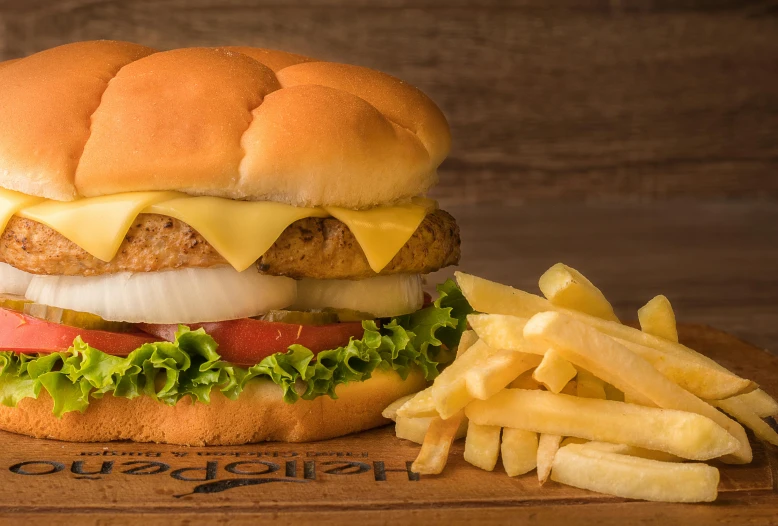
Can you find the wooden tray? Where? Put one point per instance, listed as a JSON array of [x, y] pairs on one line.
[[361, 478]]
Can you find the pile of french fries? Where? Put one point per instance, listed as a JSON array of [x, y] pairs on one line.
[[559, 385]]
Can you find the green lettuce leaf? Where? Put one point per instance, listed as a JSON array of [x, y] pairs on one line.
[[191, 365]]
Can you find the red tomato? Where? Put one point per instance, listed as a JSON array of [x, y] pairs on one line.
[[246, 341], [26, 334]]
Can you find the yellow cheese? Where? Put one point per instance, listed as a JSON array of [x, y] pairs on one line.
[[241, 231], [383, 231], [96, 224], [11, 202]]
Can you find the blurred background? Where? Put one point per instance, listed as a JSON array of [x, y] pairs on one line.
[[635, 140]]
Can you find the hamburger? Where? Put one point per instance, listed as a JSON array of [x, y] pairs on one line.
[[216, 245]]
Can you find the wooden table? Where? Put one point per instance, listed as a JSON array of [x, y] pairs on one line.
[[715, 261]]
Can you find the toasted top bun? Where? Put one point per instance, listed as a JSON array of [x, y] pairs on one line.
[[104, 117]]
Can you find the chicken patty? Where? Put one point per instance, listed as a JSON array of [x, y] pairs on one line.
[[321, 248]]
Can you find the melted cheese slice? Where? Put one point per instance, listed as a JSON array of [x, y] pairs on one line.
[[241, 231], [11, 202], [383, 231], [96, 224]]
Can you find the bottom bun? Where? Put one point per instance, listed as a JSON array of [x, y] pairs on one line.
[[259, 414]]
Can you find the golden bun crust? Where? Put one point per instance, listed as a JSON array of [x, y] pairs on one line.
[[259, 414], [103, 117]]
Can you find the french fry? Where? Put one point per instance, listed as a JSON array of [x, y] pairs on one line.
[[487, 378], [589, 386], [507, 332], [519, 451], [548, 445], [565, 287], [494, 298], [449, 391], [760, 403], [419, 406], [683, 434], [657, 317], [482, 446], [433, 455], [414, 429], [391, 410], [554, 371], [633, 477], [743, 413], [586, 347], [466, 341], [623, 449], [525, 381]]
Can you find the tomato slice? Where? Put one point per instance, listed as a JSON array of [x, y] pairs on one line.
[[26, 334], [246, 341]]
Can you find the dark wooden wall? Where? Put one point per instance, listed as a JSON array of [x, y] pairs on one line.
[[579, 99]]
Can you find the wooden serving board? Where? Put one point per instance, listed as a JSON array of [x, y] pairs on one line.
[[363, 478]]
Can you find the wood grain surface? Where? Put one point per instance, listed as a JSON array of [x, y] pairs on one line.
[[547, 100], [361, 477]]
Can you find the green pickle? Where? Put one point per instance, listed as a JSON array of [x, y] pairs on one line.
[[82, 320], [318, 317], [13, 302]]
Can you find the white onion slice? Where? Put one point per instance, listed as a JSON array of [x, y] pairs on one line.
[[381, 296], [187, 295], [13, 280]]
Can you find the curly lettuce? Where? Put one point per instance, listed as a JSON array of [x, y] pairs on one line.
[[191, 365]]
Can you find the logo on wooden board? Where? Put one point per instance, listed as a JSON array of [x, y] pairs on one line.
[[219, 471]]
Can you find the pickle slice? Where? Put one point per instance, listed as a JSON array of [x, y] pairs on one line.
[[82, 320], [13, 302], [301, 318], [315, 317]]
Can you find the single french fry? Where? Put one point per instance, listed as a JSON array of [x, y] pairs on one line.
[[606, 358], [657, 317], [419, 406], [391, 410], [565, 287], [466, 341], [589, 386], [525, 381], [433, 455], [681, 433], [519, 451], [487, 378], [709, 383], [493, 298], [623, 449], [633, 477], [548, 445], [414, 429], [554, 371], [743, 413], [482, 446], [760, 403]]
